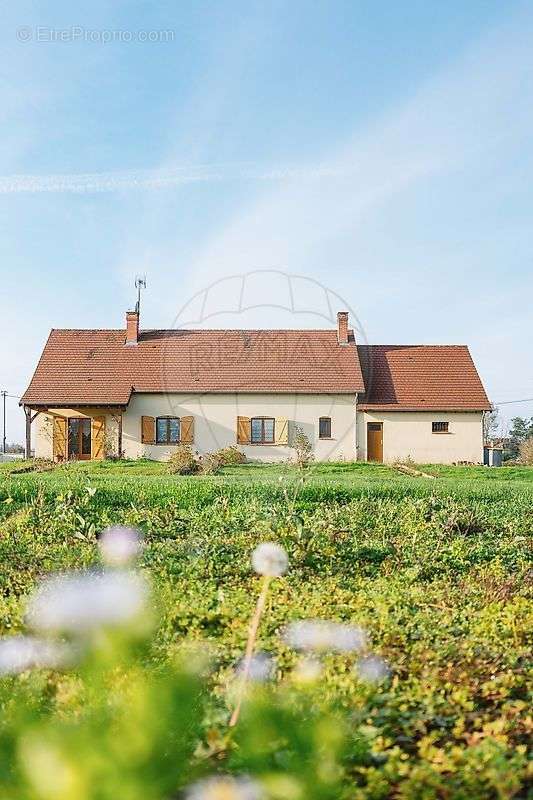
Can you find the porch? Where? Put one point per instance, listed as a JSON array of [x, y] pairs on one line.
[[76, 433]]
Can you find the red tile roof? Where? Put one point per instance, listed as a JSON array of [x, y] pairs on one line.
[[418, 377], [96, 367]]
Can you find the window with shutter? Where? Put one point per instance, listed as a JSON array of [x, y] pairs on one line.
[[262, 430], [167, 430]]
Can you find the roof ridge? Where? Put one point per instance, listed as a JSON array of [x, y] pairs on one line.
[[198, 330], [413, 345]]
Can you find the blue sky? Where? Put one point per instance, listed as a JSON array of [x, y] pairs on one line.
[[382, 150]]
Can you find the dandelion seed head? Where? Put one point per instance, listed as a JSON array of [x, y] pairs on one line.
[[372, 669], [119, 545], [225, 788], [81, 603], [270, 559], [323, 636], [261, 668], [19, 653]]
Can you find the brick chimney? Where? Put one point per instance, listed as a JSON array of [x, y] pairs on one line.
[[342, 327], [132, 327]]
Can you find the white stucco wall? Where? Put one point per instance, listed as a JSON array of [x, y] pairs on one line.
[[407, 434], [41, 436], [215, 422]]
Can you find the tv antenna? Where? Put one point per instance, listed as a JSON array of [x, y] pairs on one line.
[[140, 283]]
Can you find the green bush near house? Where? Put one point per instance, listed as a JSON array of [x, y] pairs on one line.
[[437, 572], [182, 461], [230, 456]]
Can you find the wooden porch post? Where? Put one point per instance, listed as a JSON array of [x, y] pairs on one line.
[[120, 435], [27, 412]]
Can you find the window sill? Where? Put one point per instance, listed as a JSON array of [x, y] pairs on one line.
[[326, 439], [441, 433], [263, 444]]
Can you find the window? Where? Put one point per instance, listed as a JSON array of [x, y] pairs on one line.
[[439, 427], [262, 430], [79, 437], [324, 428], [167, 430]]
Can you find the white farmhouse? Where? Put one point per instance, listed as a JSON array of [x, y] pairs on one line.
[[138, 393]]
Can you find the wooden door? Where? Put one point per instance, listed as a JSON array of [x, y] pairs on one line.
[[79, 438], [374, 441]]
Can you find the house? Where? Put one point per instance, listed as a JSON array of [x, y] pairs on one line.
[[97, 393]]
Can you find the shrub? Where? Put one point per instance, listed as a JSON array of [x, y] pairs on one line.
[[210, 464], [526, 452], [303, 448], [230, 456], [183, 461]]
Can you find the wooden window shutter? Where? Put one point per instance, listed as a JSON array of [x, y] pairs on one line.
[[282, 430], [187, 430], [147, 430], [243, 430], [98, 437], [59, 443]]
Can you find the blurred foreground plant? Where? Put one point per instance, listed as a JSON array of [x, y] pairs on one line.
[[88, 715]]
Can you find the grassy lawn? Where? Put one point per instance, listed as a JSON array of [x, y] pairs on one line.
[[149, 477], [437, 571]]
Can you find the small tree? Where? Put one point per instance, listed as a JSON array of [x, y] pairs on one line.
[[526, 452], [491, 423], [521, 430], [302, 447]]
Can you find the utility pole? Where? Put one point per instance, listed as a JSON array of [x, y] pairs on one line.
[[4, 395]]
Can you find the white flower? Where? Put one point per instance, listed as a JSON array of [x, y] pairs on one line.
[[84, 602], [261, 668], [372, 669], [119, 545], [19, 653], [270, 559], [225, 788], [324, 636]]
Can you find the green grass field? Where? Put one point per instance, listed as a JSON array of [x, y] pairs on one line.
[[437, 571]]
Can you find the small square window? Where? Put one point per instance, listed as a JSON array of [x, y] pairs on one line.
[[324, 428], [440, 427]]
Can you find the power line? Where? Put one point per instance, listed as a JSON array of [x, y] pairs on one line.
[[511, 402]]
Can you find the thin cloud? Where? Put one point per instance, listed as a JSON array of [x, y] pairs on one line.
[[82, 183]]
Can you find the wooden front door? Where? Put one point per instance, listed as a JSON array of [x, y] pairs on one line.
[[374, 441], [79, 438]]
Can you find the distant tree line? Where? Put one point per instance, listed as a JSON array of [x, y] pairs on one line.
[[14, 448]]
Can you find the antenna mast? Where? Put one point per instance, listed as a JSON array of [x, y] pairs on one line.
[[140, 283]]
